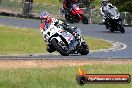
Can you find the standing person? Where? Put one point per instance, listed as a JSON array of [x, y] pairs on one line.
[[27, 7]]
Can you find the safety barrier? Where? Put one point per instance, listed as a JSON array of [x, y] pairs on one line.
[[127, 18]]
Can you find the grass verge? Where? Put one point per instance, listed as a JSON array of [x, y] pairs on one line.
[[59, 77], [22, 40]]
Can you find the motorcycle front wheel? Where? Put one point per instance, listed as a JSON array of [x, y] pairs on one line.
[[59, 48], [121, 28]]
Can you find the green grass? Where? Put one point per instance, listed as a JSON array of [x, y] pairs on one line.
[[96, 44], [22, 40], [61, 77], [13, 40]]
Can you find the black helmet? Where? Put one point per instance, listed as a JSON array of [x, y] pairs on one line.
[[104, 2]]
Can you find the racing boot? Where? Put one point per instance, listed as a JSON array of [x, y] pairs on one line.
[[49, 48]]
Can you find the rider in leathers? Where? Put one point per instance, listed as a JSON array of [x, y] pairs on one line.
[[67, 4], [105, 5], [46, 20]]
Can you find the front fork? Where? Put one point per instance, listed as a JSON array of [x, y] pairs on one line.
[[120, 21]]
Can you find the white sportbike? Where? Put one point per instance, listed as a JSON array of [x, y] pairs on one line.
[[63, 41]]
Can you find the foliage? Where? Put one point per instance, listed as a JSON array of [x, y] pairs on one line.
[[123, 5]]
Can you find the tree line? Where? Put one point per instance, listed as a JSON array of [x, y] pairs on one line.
[[123, 5]]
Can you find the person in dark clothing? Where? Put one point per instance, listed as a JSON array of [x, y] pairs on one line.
[[67, 4], [27, 7]]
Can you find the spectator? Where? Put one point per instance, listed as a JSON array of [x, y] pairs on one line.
[[27, 7]]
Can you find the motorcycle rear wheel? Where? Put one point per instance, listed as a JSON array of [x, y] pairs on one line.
[[84, 19], [55, 44], [85, 49], [69, 18]]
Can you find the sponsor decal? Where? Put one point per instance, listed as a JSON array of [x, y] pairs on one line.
[[83, 78]]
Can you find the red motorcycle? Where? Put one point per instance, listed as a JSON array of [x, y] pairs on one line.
[[76, 14]]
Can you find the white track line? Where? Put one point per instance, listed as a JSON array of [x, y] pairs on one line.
[[116, 46]]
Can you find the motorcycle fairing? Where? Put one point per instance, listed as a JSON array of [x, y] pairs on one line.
[[67, 36], [77, 10]]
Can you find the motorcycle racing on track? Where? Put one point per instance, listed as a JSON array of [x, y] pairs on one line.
[[111, 17], [69, 40], [63, 38], [73, 13], [114, 20]]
